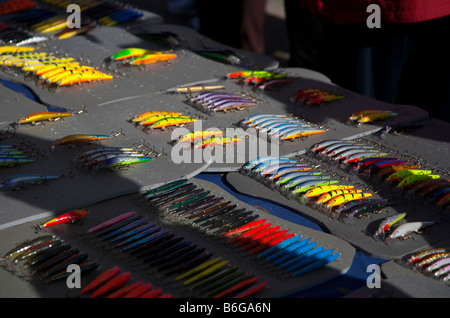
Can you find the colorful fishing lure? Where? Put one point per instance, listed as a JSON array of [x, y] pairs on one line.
[[71, 216], [43, 116]]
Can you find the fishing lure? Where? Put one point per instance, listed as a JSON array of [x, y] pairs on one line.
[[221, 55], [70, 32], [42, 116], [196, 135], [152, 58], [141, 291], [80, 138], [402, 174], [172, 121], [195, 88], [387, 224], [111, 222], [27, 245], [343, 198], [112, 285], [124, 290], [84, 268], [132, 52], [406, 229], [88, 76], [142, 117], [216, 141], [22, 180], [101, 279], [154, 118], [71, 216], [121, 161], [376, 116]]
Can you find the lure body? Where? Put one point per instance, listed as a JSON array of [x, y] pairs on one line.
[[324, 189], [79, 138], [404, 230], [27, 245], [142, 117], [152, 58], [131, 52], [387, 224], [112, 221], [217, 141], [71, 216], [101, 279], [27, 179], [121, 160], [111, 285], [41, 116], [172, 121]]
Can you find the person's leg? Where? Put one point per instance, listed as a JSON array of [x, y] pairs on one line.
[[252, 25], [307, 35]]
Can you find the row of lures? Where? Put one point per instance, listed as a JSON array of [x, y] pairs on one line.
[[248, 231], [113, 283], [408, 176], [432, 262], [17, 36], [113, 158], [162, 252], [360, 160], [45, 259], [315, 97], [304, 182], [212, 102], [50, 70], [20, 153], [281, 127], [260, 79]]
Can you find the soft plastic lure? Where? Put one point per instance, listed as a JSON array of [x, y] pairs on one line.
[[42, 116], [71, 216]]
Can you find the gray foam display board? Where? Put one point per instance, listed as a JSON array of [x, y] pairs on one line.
[[75, 234], [85, 187]]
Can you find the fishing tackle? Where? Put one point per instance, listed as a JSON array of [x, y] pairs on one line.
[[387, 224], [353, 203], [142, 232], [195, 88], [402, 174], [84, 268], [101, 279], [406, 229], [196, 135], [111, 222], [172, 121], [237, 224], [141, 291], [343, 198], [442, 271], [154, 113], [46, 256], [145, 240], [432, 259], [155, 293], [27, 245], [82, 77], [71, 216], [152, 58], [215, 281], [411, 180], [19, 181], [233, 285], [317, 264], [124, 290], [220, 54], [62, 266], [332, 194], [81, 138], [70, 32], [274, 83], [376, 116], [52, 262], [112, 285], [308, 185], [42, 116], [314, 96], [216, 141], [206, 272], [132, 52], [116, 225], [120, 160], [37, 249]]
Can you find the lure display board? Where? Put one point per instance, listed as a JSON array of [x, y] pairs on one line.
[[361, 230], [279, 284]]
